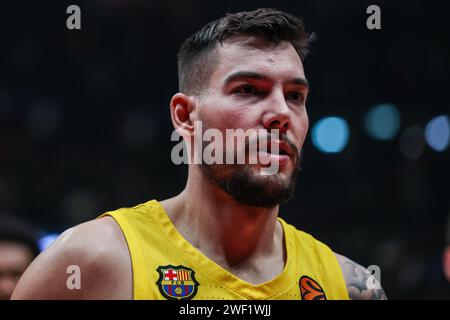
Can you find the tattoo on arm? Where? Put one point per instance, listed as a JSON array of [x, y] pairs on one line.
[[356, 278]]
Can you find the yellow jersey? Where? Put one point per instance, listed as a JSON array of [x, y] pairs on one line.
[[166, 266]]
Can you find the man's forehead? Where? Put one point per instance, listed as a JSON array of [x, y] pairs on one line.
[[258, 55], [246, 41], [254, 45]]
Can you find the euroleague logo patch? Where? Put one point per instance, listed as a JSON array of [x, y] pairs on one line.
[[177, 282], [310, 289]]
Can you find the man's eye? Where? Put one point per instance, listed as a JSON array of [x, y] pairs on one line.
[[246, 89], [296, 96]]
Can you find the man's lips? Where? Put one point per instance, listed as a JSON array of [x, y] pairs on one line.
[[273, 150], [267, 158], [276, 151], [283, 148]]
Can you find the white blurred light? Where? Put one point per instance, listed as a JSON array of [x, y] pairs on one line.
[[383, 122], [46, 240], [330, 135], [412, 142], [437, 133]]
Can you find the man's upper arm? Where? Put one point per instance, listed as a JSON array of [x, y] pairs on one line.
[[95, 251], [357, 279]]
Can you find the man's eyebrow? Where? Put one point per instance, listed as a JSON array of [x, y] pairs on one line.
[[244, 74], [300, 82], [257, 76]]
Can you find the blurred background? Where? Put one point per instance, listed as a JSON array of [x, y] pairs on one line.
[[85, 125]]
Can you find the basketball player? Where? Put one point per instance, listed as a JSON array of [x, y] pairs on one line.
[[221, 237]]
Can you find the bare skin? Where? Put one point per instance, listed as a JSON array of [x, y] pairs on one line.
[[247, 241], [356, 278], [98, 248], [253, 251]]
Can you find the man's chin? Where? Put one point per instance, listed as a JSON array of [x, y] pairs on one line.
[[250, 187]]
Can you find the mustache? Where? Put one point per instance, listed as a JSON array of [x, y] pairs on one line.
[[268, 140]]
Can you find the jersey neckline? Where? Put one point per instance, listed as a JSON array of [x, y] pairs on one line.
[[264, 290]]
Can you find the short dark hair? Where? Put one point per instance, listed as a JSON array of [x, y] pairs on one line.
[[16, 230], [195, 61]]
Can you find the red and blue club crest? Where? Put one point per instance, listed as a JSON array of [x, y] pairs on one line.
[[177, 282]]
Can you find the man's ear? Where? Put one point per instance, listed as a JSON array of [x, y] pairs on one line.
[[181, 112]]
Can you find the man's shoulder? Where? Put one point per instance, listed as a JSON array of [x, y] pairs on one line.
[[94, 251], [92, 240], [361, 284]]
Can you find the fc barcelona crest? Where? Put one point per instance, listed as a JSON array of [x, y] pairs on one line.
[[177, 282]]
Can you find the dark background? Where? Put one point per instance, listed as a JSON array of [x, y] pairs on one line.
[[85, 126]]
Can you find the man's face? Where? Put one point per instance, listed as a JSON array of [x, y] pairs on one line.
[[257, 85], [14, 260]]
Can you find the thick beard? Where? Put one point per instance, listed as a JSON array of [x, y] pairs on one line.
[[246, 188]]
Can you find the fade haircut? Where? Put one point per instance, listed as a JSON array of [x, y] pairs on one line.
[[196, 57]]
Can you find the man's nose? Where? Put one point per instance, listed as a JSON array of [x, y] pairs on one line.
[[277, 115]]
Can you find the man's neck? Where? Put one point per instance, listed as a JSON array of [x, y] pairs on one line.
[[231, 234]]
